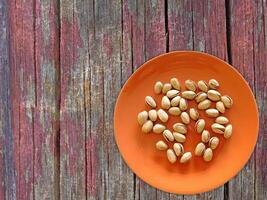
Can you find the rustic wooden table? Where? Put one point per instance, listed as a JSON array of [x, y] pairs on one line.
[[62, 65]]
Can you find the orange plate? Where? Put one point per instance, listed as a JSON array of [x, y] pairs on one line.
[[138, 149]]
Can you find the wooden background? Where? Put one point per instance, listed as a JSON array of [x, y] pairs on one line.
[[62, 65]]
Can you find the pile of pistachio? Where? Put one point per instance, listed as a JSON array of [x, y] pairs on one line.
[[175, 103]]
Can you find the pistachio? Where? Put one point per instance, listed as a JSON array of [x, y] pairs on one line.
[[165, 102], [212, 112], [200, 125], [188, 94], [221, 120], [171, 156], [163, 116], [147, 126], [158, 87], [214, 95], [175, 101], [218, 128], [158, 128], [142, 117], [194, 114], [161, 145], [178, 149], [220, 106], [228, 131], [172, 93], [179, 127], [175, 111], [150, 102], [166, 88], [201, 96], [183, 104], [179, 137], [190, 85], [227, 101], [213, 84], [153, 115], [185, 118], [205, 136], [186, 157], [200, 148], [214, 142], [175, 83], [208, 154], [205, 104], [168, 136], [202, 85]]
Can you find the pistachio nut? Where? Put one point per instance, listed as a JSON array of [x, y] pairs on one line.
[[158, 87], [185, 118], [200, 125], [166, 88], [165, 102], [163, 116], [208, 154], [172, 93], [175, 83], [191, 85], [200, 148], [188, 94], [186, 157], [153, 115], [142, 117], [171, 156], [203, 105], [214, 142], [150, 102], [218, 128], [213, 84], [228, 131], [183, 104], [161, 145], [221, 120], [174, 111], [212, 112], [214, 95], [175, 101], [227, 101], [178, 149], [147, 126], [179, 137], [194, 114], [201, 96], [220, 106], [168, 136], [202, 85], [158, 128], [179, 127], [205, 136]]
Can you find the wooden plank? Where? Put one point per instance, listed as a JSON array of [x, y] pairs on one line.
[[241, 25], [7, 169], [74, 60], [22, 64], [46, 113]]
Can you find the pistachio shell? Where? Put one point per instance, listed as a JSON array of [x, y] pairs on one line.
[[214, 142], [179, 137], [201, 96], [228, 131], [185, 118], [188, 94], [190, 85], [168, 136], [178, 149], [202, 85], [142, 117], [175, 101], [161, 145], [179, 127], [158, 128], [212, 112], [183, 104], [186, 157], [153, 115], [194, 114], [220, 106], [175, 83], [214, 95], [150, 102], [203, 105], [174, 111], [227, 101], [221, 120], [165, 102], [200, 125], [218, 128], [171, 156], [158, 87], [214, 84], [172, 93], [147, 126], [208, 155], [205, 136], [166, 88], [200, 148], [163, 116]]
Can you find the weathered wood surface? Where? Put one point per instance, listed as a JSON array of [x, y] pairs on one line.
[[62, 65]]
